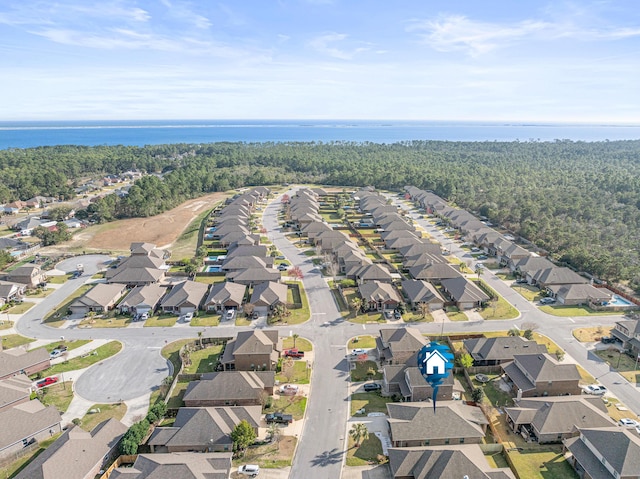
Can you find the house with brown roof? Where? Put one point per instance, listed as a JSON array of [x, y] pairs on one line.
[[500, 350], [19, 361], [267, 295], [15, 390], [406, 381], [628, 332], [142, 299], [146, 265], [396, 346], [77, 454], [203, 429], [29, 274], [464, 293], [208, 465], [184, 297], [225, 295], [435, 273], [373, 272], [605, 453], [379, 296], [26, 423], [581, 293], [421, 292], [252, 350], [102, 297], [532, 375], [415, 424], [443, 462], [10, 291], [230, 388], [552, 419], [554, 276], [254, 276]]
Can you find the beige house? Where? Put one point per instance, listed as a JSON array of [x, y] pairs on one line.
[[210, 465], [252, 351], [396, 346], [102, 297], [19, 361], [532, 375], [29, 274], [230, 388]]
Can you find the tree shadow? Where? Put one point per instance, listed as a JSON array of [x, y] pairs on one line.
[[327, 458]]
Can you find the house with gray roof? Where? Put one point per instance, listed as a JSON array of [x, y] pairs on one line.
[[77, 454], [142, 299], [500, 350], [102, 297], [239, 263], [553, 419], [435, 273], [267, 295], [373, 272], [416, 424], [28, 274], [424, 247], [379, 296], [605, 453], [555, 276], [530, 264], [230, 388], [208, 465], [184, 297], [254, 276], [15, 390], [203, 429], [406, 381], [396, 346], [146, 265], [20, 361], [27, 422], [397, 243], [443, 462], [421, 292], [464, 293], [628, 331], [11, 291], [536, 375], [225, 295], [581, 293], [252, 350]]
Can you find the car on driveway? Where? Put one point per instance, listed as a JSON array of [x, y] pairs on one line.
[[595, 389], [358, 352], [55, 353], [186, 317], [230, 314], [283, 267], [388, 315], [288, 390], [251, 470], [608, 340], [47, 381], [626, 422], [547, 300], [372, 387], [482, 257], [397, 315]]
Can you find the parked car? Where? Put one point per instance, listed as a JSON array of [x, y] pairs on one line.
[[521, 280], [626, 422], [279, 418], [288, 389], [595, 389], [283, 267], [358, 352], [388, 315], [251, 470], [397, 315], [372, 387], [186, 317], [280, 257], [547, 300], [54, 354], [47, 381], [293, 353], [608, 340], [255, 315], [62, 348], [483, 257], [230, 314]]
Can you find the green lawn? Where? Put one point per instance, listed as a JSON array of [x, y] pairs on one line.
[[301, 344], [171, 352], [566, 311], [367, 452], [55, 318], [59, 279], [14, 340], [300, 373], [296, 315], [210, 279], [203, 360], [19, 308], [502, 310], [120, 321], [162, 321], [70, 344], [18, 465], [100, 354], [530, 293], [371, 402], [294, 405], [58, 395], [175, 400], [6, 324], [205, 319], [457, 316], [107, 411], [543, 462], [362, 342], [40, 292], [365, 370], [185, 245], [621, 362]]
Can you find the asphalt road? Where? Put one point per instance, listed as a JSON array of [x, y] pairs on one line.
[[139, 368]]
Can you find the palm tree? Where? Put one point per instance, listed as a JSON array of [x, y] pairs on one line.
[[479, 270], [359, 432], [295, 336], [425, 309], [356, 303]]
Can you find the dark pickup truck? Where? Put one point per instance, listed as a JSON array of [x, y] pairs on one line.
[[293, 353], [279, 418]]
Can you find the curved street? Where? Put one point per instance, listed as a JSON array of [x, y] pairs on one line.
[[139, 367]]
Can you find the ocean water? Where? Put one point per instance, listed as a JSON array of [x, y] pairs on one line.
[[140, 133]]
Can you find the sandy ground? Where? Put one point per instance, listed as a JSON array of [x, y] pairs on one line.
[[161, 230]]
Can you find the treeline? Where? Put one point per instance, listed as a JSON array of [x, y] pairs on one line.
[[578, 200]]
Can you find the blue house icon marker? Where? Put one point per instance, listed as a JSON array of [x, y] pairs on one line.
[[435, 363]]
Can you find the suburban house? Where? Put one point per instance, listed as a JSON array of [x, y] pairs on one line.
[[416, 424], [225, 295], [102, 297], [253, 350], [500, 350], [628, 331], [267, 295], [379, 296], [142, 299], [396, 346], [15, 390], [434, 272], [552, 419], [581, 293], [29, 274], [373, 272], [554, 276], [532, 375], [145, 266], [77, 454], [254, 276], [407, 382], [464, 293], [210, 465], [443, 462], [10, 291], [526, 267], [203, 429], [20, 361], [230, 388], [184, 297], [26, 423], [605, 453], [421, 292]]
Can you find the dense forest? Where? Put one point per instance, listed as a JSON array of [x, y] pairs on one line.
[[578, 200]]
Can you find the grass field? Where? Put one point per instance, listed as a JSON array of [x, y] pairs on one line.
[[171, 352], [363, 342], [365, 370], [107, 411], [367, 452], [185, 245], [20, 308], [175, 400], [103, 352], [567, 311], [14, 340], [60, 279], [502, 310], [203, 360], [371, 402], [543, 462], [297, 372], [58, 395], [587, 335], [115, 322], [301, 344], [271, 455], [294, 405], [55, 318], [162, 321]]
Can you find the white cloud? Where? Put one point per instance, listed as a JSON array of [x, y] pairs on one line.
[[325, 44]]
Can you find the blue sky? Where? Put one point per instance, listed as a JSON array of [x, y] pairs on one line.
[[526, 60]]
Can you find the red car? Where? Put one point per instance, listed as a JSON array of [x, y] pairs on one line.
[[47, 381]]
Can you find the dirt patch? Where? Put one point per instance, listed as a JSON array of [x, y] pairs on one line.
[[161, 230]]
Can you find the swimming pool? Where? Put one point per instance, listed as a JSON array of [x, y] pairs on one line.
[[619, 301], [213, 269]]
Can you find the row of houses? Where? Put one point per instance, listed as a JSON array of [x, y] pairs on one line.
[[562, 283], [36, 202]]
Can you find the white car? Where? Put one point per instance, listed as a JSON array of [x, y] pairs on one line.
[[626, 422], [289, 389], [595, 389], [251, 470], [230, 314], [187, 317], [357, 352]]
